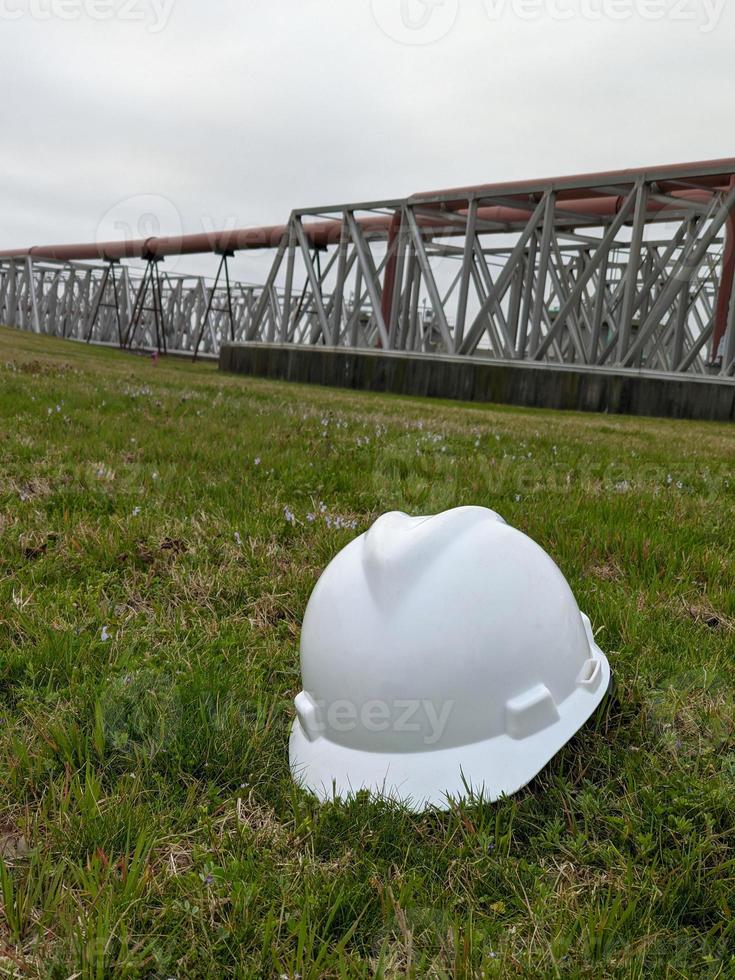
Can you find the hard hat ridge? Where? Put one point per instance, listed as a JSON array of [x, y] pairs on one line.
[[399, 549]]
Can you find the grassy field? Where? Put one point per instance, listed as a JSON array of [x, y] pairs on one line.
[[161, 528]]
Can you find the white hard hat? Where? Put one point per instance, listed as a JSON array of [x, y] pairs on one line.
[[441, 656]]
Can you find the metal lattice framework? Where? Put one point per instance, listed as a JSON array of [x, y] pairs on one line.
[[125, 306], [628, 270]]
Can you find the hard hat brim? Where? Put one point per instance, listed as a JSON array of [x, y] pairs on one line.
[[487, 770]]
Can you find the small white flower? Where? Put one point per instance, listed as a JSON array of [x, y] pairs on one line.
[[257, 461], [154, 475], [136, 511], [518, 498], [105, 637], [238, 539]]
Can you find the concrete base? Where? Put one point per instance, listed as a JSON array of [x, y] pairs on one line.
[[475, 379]]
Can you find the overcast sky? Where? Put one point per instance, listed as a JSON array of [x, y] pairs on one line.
[[225, 113]]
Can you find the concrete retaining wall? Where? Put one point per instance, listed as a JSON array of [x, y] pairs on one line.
[[474, 379]]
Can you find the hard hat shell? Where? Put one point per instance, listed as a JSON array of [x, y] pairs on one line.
[[441, 656]]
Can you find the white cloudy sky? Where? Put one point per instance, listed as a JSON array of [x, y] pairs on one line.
[[227, 113]]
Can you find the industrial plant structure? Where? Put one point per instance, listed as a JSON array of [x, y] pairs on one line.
[[632, 270]]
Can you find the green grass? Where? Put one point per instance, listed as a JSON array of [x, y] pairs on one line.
[[148, 824]]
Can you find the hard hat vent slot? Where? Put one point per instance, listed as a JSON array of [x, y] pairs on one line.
[[588, 628], [530, 713], [591, 675], [309, 716]]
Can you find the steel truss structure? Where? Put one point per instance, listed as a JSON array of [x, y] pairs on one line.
[[627, 270], [115, 304]]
